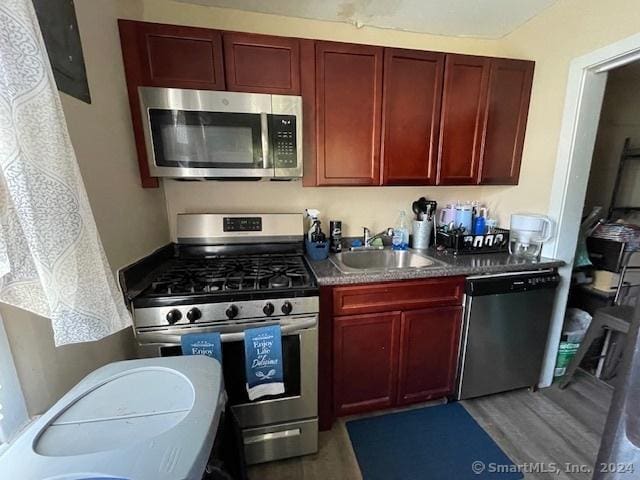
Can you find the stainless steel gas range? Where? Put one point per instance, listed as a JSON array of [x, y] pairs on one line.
[[227, 273]]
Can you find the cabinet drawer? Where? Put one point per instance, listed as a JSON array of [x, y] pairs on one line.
[[405, 295]]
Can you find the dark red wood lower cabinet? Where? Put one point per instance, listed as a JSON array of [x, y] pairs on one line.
[[365, 362], [428, 353]]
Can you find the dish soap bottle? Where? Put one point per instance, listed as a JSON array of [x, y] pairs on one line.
[[400, 240]]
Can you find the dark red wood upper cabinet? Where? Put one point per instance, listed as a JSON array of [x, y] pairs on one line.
[[348, 111], [261, 63], [308, 92], [181, 57], [134, 72], [435, 118], [365, 362], [428, 353], [466, 79], [507, 108], [412, 91]]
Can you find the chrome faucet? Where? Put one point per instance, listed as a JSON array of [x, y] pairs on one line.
[[367, 238]]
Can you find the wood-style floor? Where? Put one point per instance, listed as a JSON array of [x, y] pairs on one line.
[[551, 426]]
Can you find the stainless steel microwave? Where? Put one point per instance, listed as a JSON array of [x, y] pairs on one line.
[[209, 134]]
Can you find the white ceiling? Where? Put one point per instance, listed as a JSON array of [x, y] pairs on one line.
[[467, 18]]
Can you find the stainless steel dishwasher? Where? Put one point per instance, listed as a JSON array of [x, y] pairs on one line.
[[504, 334]]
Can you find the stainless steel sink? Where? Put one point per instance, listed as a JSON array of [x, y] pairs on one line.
[[359, 261]]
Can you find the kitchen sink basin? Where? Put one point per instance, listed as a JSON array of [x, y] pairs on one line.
[[359, 261]]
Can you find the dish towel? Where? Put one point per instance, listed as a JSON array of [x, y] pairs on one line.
[[208, 344], [263, 361]]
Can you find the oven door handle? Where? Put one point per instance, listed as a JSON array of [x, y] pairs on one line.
[[163, 337]]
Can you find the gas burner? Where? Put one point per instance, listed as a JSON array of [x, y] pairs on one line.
[[280, 281], [193, 276]]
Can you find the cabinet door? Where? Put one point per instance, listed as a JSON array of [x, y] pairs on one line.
[[365, 362], [135, 73], [181, 57], [462, 120], [348, 106], [428, 353], [411, 116], [261, 63], [507, 109]]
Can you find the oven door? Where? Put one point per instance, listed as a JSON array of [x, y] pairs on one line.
[[300, 367]]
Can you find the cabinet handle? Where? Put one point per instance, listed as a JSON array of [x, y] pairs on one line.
[[265, 437]]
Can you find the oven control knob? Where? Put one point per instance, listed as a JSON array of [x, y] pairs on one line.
[[286, 308], [174, 316], [194, 314], [232, 311], [269, 309]]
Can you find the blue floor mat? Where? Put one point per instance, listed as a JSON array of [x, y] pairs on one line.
[[433, 443]]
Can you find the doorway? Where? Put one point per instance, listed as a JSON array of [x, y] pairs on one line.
[[606, 271], [583, 103]]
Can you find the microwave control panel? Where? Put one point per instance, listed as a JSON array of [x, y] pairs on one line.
[[283, 140]]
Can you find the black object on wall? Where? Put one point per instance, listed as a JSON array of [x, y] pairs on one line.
[[59, 27]]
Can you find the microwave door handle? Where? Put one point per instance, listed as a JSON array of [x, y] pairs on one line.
[[264, 136], [161, 337]]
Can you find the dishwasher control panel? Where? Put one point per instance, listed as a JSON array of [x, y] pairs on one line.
[[512, 283]]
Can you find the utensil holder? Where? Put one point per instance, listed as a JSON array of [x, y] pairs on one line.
[[422, 230]]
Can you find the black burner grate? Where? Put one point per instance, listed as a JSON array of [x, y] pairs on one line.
[[223, 274]]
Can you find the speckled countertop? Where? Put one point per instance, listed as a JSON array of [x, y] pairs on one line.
[[449, 265]]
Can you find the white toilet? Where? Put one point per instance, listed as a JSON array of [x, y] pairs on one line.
[[150, 419]]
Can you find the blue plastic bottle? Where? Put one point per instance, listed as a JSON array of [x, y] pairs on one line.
[[480, 226], [400, 240]]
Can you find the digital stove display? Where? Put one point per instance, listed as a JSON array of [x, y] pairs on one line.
[[242, 224]]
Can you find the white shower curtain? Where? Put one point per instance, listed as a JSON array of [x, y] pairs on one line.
[[51, 259]]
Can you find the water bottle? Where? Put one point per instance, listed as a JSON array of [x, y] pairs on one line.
[[400, 240], [479, 227], [464, 217]]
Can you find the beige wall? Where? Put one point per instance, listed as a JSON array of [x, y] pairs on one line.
[[567, 30], [131, 220], [46, 372], [562, 32], [620, 119]]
